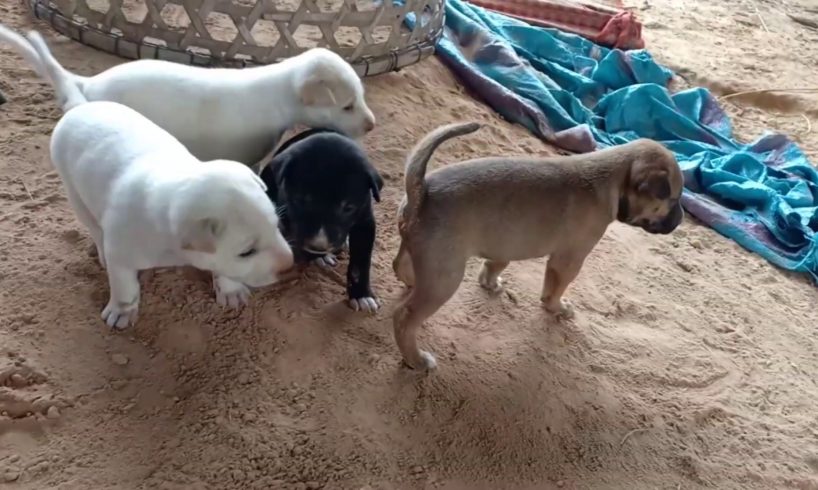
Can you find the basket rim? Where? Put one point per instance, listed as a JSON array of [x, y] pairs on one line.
[[115, 43]]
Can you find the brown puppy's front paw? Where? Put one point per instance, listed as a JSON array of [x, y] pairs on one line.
[[424, 362], [428, 360], [491, 284], [561, 309]]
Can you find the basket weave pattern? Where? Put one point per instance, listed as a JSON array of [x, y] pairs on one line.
[[247, 32]]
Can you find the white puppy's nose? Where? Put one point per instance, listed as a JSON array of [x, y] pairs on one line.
[[369, 124], [319, 242], [287, 260]]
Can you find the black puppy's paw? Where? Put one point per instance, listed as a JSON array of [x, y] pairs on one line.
[[359, 292], [368, 304]]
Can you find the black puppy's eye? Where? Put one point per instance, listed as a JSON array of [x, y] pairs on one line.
[[248, 253], [350, 107], [348, 209]]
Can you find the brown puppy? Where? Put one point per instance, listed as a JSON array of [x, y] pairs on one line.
[[504, 209]]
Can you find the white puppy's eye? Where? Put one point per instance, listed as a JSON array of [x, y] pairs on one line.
[[248, 253], [349, 107]]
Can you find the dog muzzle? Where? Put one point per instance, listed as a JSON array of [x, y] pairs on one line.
[[668, 224], [663, 227]]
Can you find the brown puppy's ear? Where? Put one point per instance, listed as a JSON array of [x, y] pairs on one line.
[[316, 91], [200, 235], [655, 184]]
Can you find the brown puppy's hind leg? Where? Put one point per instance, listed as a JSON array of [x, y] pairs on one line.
[[435, 283], [489, 277], [562, 268], [402, 266]]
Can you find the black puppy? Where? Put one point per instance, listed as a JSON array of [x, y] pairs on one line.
[[323, 184]]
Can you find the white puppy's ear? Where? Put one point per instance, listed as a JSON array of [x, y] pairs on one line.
[[200, 235], [260, 182], [316, 91]]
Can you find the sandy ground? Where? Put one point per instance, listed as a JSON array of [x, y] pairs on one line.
[[691, 363]]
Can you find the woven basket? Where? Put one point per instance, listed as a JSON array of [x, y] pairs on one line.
[[370, 35]]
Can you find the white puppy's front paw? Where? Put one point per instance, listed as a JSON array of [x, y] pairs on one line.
[[327, 261], [230, 293], [120, 316], [367, 303]]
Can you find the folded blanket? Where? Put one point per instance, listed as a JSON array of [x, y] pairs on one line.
[[606, 26], [581, 96]]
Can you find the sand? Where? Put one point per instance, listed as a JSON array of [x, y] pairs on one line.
[[691, 363]]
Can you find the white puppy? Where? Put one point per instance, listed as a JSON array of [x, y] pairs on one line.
[[147, 202], [223, 113]]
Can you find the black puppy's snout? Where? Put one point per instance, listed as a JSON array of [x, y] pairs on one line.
[[318, 240], [324, 237]]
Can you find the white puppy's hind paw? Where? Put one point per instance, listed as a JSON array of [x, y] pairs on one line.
[[230, 293], [119, 316], [367, 304], [327, 261]]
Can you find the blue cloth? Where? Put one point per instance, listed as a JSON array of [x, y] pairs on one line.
[[582, 96]]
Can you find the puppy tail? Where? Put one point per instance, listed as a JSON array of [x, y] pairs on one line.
[[65, 83], [415, 172], [23, 48]]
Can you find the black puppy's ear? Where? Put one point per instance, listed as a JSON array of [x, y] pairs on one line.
[[376, 184], [656, 184], [273, 175], [267, 176]]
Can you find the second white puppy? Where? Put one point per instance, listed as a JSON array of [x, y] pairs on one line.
[[147, 202], [228, 113]]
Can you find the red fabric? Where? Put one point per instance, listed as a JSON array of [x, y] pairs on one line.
[[617, 29], [622, 31]]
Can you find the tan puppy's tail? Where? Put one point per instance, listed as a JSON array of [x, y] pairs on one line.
[[65, 83], [415, 173]]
